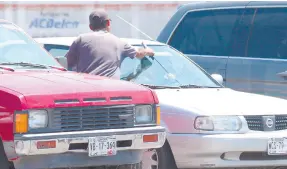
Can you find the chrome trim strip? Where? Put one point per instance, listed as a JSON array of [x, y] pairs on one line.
[[91, 132], [236, 57]]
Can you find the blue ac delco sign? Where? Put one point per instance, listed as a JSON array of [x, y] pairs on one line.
[[53, 23]]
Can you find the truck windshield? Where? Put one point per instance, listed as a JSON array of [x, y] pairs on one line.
[[168, 68], [17, 47]]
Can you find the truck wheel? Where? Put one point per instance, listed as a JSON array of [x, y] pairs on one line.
[[161, 158], [4, 162]]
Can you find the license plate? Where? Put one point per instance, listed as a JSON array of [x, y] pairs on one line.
[[277, 146], [102, 146]]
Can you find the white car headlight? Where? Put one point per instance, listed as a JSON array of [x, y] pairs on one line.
[[38, 119], [218, 123], [144, 114]]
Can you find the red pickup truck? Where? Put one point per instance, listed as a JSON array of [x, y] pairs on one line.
[[53, 118]]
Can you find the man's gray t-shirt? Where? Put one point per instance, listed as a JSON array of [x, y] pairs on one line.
[[99, 53]]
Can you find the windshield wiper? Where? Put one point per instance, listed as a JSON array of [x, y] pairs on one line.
[[26, 64], [198, 86], [160, 87]]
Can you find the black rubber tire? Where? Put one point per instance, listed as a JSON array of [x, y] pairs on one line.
[[4, 162], [165, 157]]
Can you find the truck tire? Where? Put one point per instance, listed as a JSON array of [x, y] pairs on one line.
[[4, 162], [161, 158]]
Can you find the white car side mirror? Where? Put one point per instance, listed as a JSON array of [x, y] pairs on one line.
[[218, 78], [62, 60]]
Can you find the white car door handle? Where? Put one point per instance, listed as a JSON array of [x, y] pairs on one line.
[[283, 75]]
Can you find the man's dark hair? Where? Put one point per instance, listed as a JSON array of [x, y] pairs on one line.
[[99, 26], [98, 19]]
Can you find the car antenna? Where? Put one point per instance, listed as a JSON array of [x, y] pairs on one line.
[[135, 27]]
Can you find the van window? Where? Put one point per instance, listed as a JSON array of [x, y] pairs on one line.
[[269, 34], [238, 47], [206, 32]]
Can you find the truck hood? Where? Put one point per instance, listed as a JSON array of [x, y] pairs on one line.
[[42, 89], [221, 102]]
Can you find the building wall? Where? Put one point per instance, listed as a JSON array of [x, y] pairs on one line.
[[41, 19]]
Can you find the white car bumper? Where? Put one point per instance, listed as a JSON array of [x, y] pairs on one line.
[[225, 150]]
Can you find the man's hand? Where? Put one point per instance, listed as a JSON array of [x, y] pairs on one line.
[[144, 52]]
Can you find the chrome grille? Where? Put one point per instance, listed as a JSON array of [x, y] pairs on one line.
[[93, 118], [256, 122], [281, 122]]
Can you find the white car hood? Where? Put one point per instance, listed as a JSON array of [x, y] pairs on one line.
[[221, 102]]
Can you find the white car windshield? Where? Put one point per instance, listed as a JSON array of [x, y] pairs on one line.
[[17, 47], [167, 68]]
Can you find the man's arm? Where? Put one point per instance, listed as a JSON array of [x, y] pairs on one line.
[[129, 51], [72, 55]]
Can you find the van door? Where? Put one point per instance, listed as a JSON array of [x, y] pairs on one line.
[[260, 62], [205, 37]]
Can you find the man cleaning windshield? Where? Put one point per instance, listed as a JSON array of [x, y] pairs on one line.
[[100, 52]]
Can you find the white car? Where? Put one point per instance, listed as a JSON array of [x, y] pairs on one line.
[[208, 125]]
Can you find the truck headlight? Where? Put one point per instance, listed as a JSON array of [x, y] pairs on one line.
[[218, 123], [144, 114], [38, 119]]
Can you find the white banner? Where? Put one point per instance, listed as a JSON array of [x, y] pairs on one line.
[[42, 19]]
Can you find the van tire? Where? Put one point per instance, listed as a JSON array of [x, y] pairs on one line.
[[4, 162]]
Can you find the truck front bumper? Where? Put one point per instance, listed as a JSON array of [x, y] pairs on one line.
[[71, 148]]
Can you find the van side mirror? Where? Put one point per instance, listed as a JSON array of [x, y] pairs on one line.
[[218, 78], [62, 60]]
